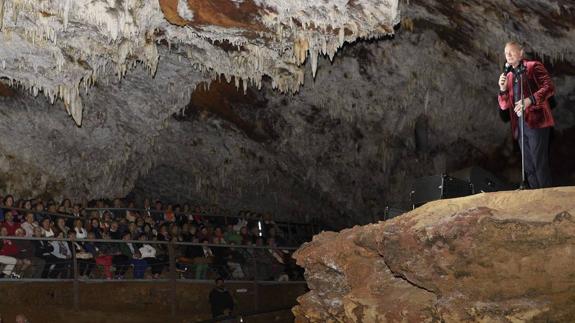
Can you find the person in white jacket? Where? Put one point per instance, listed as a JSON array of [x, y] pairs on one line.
[[149, 255]]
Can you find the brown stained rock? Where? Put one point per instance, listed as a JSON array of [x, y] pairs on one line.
[[5, 90], [496, 257], [350, 282], [222, 13], [170, 10]]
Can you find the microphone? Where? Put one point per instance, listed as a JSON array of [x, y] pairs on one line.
[[507, 68]]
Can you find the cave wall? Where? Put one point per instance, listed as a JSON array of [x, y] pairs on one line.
[[42, 153], [378, 116]]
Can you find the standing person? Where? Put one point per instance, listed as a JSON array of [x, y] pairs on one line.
[[537, 89], [221, 300]]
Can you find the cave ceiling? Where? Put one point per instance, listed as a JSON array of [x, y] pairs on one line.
[[61, 47], [286, 106]]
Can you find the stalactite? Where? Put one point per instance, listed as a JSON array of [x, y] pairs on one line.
[[2, 14]]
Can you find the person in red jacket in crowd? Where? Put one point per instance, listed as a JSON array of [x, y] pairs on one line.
[[9, 223], [8, 249], [537, 89]]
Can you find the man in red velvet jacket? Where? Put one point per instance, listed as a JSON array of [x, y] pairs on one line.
[[537, 89]]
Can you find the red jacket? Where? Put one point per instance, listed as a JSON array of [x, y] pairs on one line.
[[538, 85], [9, 248]]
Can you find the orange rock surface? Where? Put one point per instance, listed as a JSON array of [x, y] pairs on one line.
[[492, 257]]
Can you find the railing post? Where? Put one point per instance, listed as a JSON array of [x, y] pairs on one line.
[[173, 278], [76, 284], [256, 289], [289, 232]]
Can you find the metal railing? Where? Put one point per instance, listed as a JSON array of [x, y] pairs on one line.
[[45, 213], [174, 276]]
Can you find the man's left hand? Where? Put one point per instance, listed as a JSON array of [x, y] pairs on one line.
[[526, 101]]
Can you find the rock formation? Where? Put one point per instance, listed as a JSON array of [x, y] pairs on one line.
[[179, 99], [58, 47], [492, 257]]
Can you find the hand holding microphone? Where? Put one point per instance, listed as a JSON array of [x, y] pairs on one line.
[[502, 82], [503, 78]]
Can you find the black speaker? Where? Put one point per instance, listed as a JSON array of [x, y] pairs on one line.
[[481, 180], [436, 187], [392, 212]]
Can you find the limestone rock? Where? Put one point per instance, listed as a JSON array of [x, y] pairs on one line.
[[492, 257]]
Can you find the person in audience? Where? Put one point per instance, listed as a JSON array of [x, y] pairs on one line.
[[245, 235], [29, 224], [10, 249], [7, 206], [62, 252], [264, 261], [232, 236], [27, 205], [76, 210], [147, 231], [203, 258], [197, 216], [104, 255], [43, 250], [148, 253], [169, 215], [235, 262], [241, 222], [39, 211], [278, 262], [52, 208], [116, 214], [114, 232], [61, 226], [85, 259], [131, 215], [204, 234], [95, 228], [221, 301], [120, 260], [28, 252], [81, 232], [65, 207], [190, 234], [46, 227], [181, 217], [9, 264], [163, 234], [273, 234], [132, 253], [25, 252], [158, 214], [133, 229], [218, 237], [9, 223], [147, 207]]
